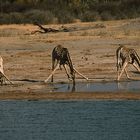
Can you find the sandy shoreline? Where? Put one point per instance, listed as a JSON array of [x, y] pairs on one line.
[[71, 96]]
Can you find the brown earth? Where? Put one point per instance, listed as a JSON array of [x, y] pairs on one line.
[[92, 46]]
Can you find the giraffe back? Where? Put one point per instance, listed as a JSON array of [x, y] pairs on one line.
[[62, 55]]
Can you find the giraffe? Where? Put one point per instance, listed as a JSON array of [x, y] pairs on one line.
[[3, 77], [126, 56], [61, 57]]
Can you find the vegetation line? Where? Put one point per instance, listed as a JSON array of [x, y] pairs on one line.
[[66, 11]]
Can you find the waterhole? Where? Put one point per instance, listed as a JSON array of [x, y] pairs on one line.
[[130, 86]]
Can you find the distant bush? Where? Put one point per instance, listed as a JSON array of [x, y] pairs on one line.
[[38, 16], [16, 18], [106, 16], [11, 18], [27, 17], [90, 16], [65, 17], [4, 18]]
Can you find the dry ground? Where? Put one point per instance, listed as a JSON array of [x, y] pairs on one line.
[[91, 45]]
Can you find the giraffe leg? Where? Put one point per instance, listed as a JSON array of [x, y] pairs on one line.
[[123, 68], [117, 73], [4, 76], [136, 67], [65, 67], [57, 66], [126, 73], [80, 74], [1, 79], [53, 65]]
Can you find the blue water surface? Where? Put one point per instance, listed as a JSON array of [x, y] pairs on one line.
[[127, 86], [70, 120]]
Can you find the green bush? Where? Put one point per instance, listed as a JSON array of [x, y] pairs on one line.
[[16, 18], [43, 17], [90, 16], [106, 16], [38, 16], [4, 18], [11, 18], [65, 17]]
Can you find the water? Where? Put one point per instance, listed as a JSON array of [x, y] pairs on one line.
[[69, 120], [130, 86]]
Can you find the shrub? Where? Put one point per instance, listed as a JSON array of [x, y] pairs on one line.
[[11, 18], [39, 16], [16, 17], [4, 18], [106, 16], [90, 16], [65, 17]]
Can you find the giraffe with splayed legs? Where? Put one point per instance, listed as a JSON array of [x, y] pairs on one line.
[[126, 56], [61, 57]]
